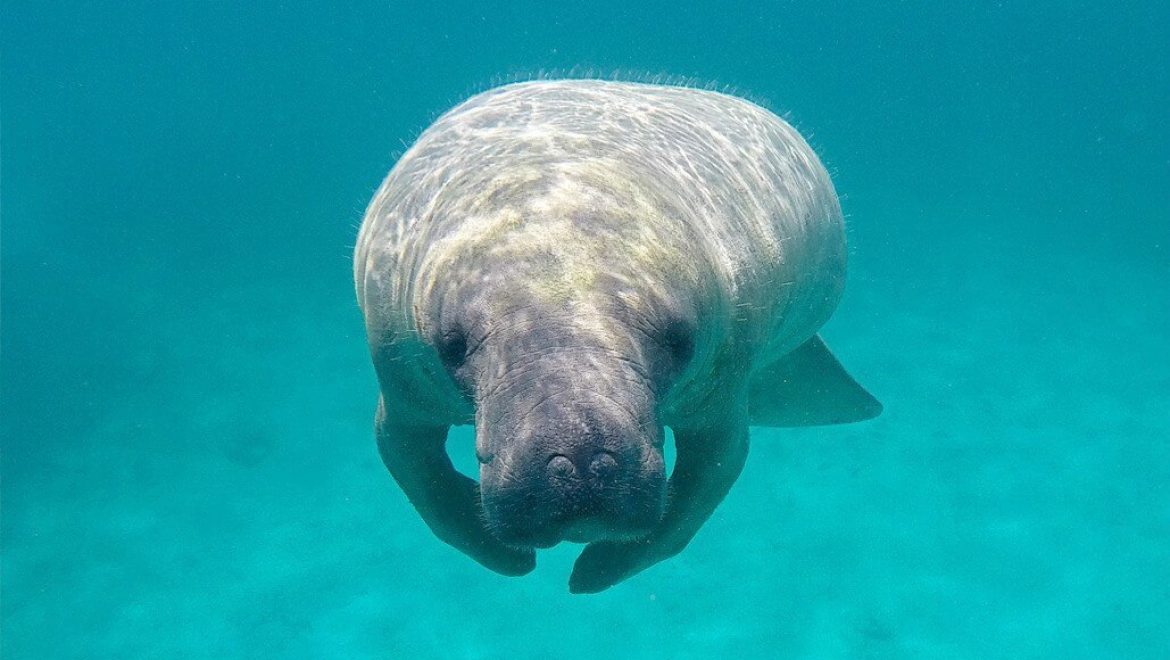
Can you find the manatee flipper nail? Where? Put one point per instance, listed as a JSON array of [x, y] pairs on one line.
[[447, 501], [709, 461]]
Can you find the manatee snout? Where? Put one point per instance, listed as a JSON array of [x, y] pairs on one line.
[[577, 468]]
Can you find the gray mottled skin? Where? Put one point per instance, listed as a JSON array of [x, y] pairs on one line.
[[571, 266]]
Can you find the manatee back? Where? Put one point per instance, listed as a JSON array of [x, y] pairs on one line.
[[727, 171]]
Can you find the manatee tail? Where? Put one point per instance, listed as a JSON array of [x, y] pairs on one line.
[[808, 387]]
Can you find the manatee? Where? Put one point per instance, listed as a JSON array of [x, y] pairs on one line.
[[572, 266]]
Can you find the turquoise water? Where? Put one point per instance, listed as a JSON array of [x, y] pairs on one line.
[[188, 464]]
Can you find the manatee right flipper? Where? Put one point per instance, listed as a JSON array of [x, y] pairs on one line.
[[808, 387], [448, 501], [709, 462]]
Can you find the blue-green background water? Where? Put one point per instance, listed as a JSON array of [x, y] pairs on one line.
[[188, 462]]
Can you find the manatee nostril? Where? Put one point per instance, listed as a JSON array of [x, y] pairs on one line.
[[603, 466], [560, 467]]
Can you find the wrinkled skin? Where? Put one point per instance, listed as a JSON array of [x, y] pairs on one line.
[[569, 427], [569, 442], [566, 396], [571, 266]]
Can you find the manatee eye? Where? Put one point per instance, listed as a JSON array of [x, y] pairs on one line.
[[452, 348], [680, 340]]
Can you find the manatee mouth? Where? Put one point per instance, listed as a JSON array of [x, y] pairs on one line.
[[603, 496], [585, 530], [588, 530], [569, 448]]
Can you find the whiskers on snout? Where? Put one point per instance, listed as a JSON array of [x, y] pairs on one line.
[[578, 496]]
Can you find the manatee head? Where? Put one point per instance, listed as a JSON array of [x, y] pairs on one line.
[[567, 348]]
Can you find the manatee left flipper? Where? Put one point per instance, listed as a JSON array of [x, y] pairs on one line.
[[447, 501], [708, 463]]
